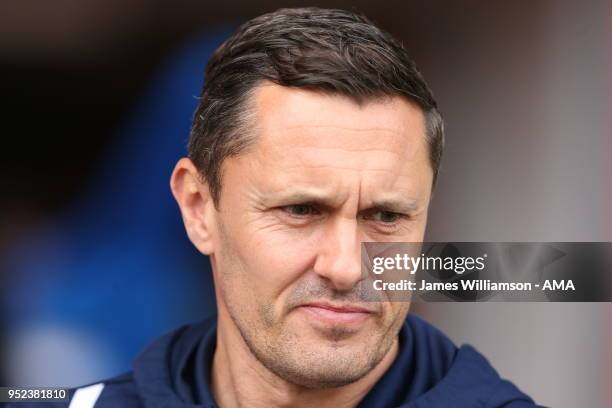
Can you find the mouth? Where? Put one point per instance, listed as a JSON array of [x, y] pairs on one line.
[[333, 314]]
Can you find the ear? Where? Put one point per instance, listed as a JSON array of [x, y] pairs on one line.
[[196, 204]]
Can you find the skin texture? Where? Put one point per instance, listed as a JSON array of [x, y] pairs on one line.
[[323, 175]]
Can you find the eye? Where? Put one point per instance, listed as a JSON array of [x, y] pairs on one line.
[[386, 217], [300, 210]]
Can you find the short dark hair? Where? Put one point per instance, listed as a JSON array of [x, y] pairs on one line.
[[325, 50]]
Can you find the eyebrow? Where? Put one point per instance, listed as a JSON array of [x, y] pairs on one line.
[[398, 205], [394, 202], [311, 195]]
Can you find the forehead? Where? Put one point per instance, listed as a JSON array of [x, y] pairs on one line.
[[283, 111], [292, 117], [305, 138]]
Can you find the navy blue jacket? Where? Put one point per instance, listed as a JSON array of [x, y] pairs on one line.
[[429, 372]]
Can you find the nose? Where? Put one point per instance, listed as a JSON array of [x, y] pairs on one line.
[[339, 256]]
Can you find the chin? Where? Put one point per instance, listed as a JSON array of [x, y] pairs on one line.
[[329, 364], [330, 375]]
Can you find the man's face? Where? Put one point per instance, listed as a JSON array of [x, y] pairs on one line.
[[323, 175]]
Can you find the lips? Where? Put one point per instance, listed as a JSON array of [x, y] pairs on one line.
[[336, 314], [338, 308]]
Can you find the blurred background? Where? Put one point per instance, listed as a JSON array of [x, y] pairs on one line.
[[97, 98]]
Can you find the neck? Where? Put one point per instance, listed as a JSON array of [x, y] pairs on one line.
[[240, 380]]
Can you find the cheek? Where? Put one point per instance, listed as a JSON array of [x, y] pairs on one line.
[[394, 315], [400, 309], [270, 260]]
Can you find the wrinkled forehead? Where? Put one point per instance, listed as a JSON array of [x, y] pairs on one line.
[[305, 139], [322, 129], [279, 110]]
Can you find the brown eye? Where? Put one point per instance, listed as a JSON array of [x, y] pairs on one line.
[[386, 217], [300, 210]]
